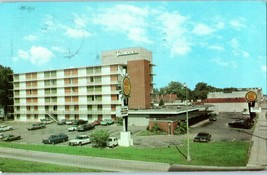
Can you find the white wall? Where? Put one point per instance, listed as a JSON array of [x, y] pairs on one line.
[[229, 107]]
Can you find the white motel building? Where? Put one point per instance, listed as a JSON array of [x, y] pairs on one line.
[[87, 93]]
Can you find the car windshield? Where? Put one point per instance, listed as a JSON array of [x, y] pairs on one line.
[[203, 134], [80, 137]]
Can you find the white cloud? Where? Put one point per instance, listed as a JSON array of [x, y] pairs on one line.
[[23, 54], [80, 21], [31, 37], [126, 19], [37, 55], [237, 23], [202, 29], [216, 47], [58, 49], [76, 33], [221, 62], [173, 25], [237, 51], [234, 43], [220, 25], [49, 23]]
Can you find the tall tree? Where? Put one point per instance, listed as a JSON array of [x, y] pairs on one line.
[[6, 87], [202, 89]]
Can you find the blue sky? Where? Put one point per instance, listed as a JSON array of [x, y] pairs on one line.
[[220, 43]]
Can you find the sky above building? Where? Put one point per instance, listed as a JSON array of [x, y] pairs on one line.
[[220, 43]]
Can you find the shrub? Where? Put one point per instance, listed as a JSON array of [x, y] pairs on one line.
[[181, 129], [155, 128], [99, 138], [119, 121], [161, 102]]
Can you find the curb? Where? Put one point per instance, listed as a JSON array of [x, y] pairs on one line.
[[176, 167]]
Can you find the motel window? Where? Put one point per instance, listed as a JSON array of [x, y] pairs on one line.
[[90, 89], [17, 100], [113, 107], [89, 107], [16, 93], [16, 85], [16, 77], [99, 107], [89, 70]]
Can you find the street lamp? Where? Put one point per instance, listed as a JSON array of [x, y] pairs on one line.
[[187, 124]]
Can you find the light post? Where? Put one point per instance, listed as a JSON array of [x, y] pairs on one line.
[[187, 125]]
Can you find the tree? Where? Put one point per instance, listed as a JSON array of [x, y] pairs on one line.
[[161, 102], [99, 138], [202, 89], [6, 86]]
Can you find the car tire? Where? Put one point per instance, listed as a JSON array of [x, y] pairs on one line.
[[80, 144]]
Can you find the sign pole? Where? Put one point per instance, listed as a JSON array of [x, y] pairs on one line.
[[125, 139]]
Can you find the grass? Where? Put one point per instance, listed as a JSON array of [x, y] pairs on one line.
[[20, 166], [213, 154]]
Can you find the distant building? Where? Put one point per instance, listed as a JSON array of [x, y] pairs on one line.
[[87, 93], [232, 102]]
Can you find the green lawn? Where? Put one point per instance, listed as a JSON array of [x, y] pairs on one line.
[[214, 154], [21, 166]]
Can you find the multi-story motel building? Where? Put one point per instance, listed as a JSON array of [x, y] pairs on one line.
[[87, 93]]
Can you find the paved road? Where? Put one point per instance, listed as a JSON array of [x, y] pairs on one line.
[[258, 153]]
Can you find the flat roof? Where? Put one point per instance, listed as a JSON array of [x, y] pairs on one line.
[[168, 111]]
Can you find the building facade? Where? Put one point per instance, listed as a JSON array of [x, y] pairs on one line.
[[232, 102], [87, 93]]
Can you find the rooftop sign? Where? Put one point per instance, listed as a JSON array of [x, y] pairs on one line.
[[132, 52]]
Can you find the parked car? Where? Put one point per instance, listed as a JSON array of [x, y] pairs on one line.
[[246, 123], [10, 137], [112, 142], [2, 136], [96, 122], [85, 127], [56, 138], [80, 122], [36, 126], [46, 121], [62, 122], [5, 128], [80, 140], [202, 137], [213, 116], [70, 122], [73, 128], [106, 122]]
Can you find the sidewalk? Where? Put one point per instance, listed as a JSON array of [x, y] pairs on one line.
[[258, 152]]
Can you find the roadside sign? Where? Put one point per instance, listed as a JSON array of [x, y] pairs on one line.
[[126, 86], [251, 96], [122, 111]]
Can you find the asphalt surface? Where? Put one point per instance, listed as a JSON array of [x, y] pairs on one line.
[[219, 130]]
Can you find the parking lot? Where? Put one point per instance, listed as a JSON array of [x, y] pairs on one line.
[[219, 130]]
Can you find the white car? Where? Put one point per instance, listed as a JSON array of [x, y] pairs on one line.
[[112, 142], [80, 140], [73, 128], [5, 128]]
